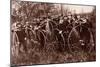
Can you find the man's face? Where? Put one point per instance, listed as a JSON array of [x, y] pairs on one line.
[[38, 19], [69, 16], [19, 25], [27, 23], [78, 17], [65, 18]]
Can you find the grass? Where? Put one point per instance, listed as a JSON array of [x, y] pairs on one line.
[[49, 55]]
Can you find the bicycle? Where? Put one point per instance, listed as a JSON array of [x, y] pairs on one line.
[[19, 41], [80, 35], [15, 44]]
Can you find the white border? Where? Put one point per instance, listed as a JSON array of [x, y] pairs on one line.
[[5, 33]]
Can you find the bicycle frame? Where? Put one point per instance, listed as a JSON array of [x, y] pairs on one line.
[[74, 28]]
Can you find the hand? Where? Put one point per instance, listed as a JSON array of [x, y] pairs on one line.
[[82, 44], [36, 28], [60, 32], [25, 38]]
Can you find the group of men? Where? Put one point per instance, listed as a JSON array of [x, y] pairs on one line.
[[23, 29]]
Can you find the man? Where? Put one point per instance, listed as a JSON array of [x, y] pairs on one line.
[[60, 33], [70, 20], [29, 35], [28, 28], [18, 28]]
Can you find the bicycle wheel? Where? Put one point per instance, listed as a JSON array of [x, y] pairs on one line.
[[41, 38], [15, 44], [60, 39], [50, 30], [80, 38]]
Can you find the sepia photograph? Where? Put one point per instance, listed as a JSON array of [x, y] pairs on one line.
[[51, 33]]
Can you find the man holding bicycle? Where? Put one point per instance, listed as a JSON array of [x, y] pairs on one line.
[[19, 30]]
